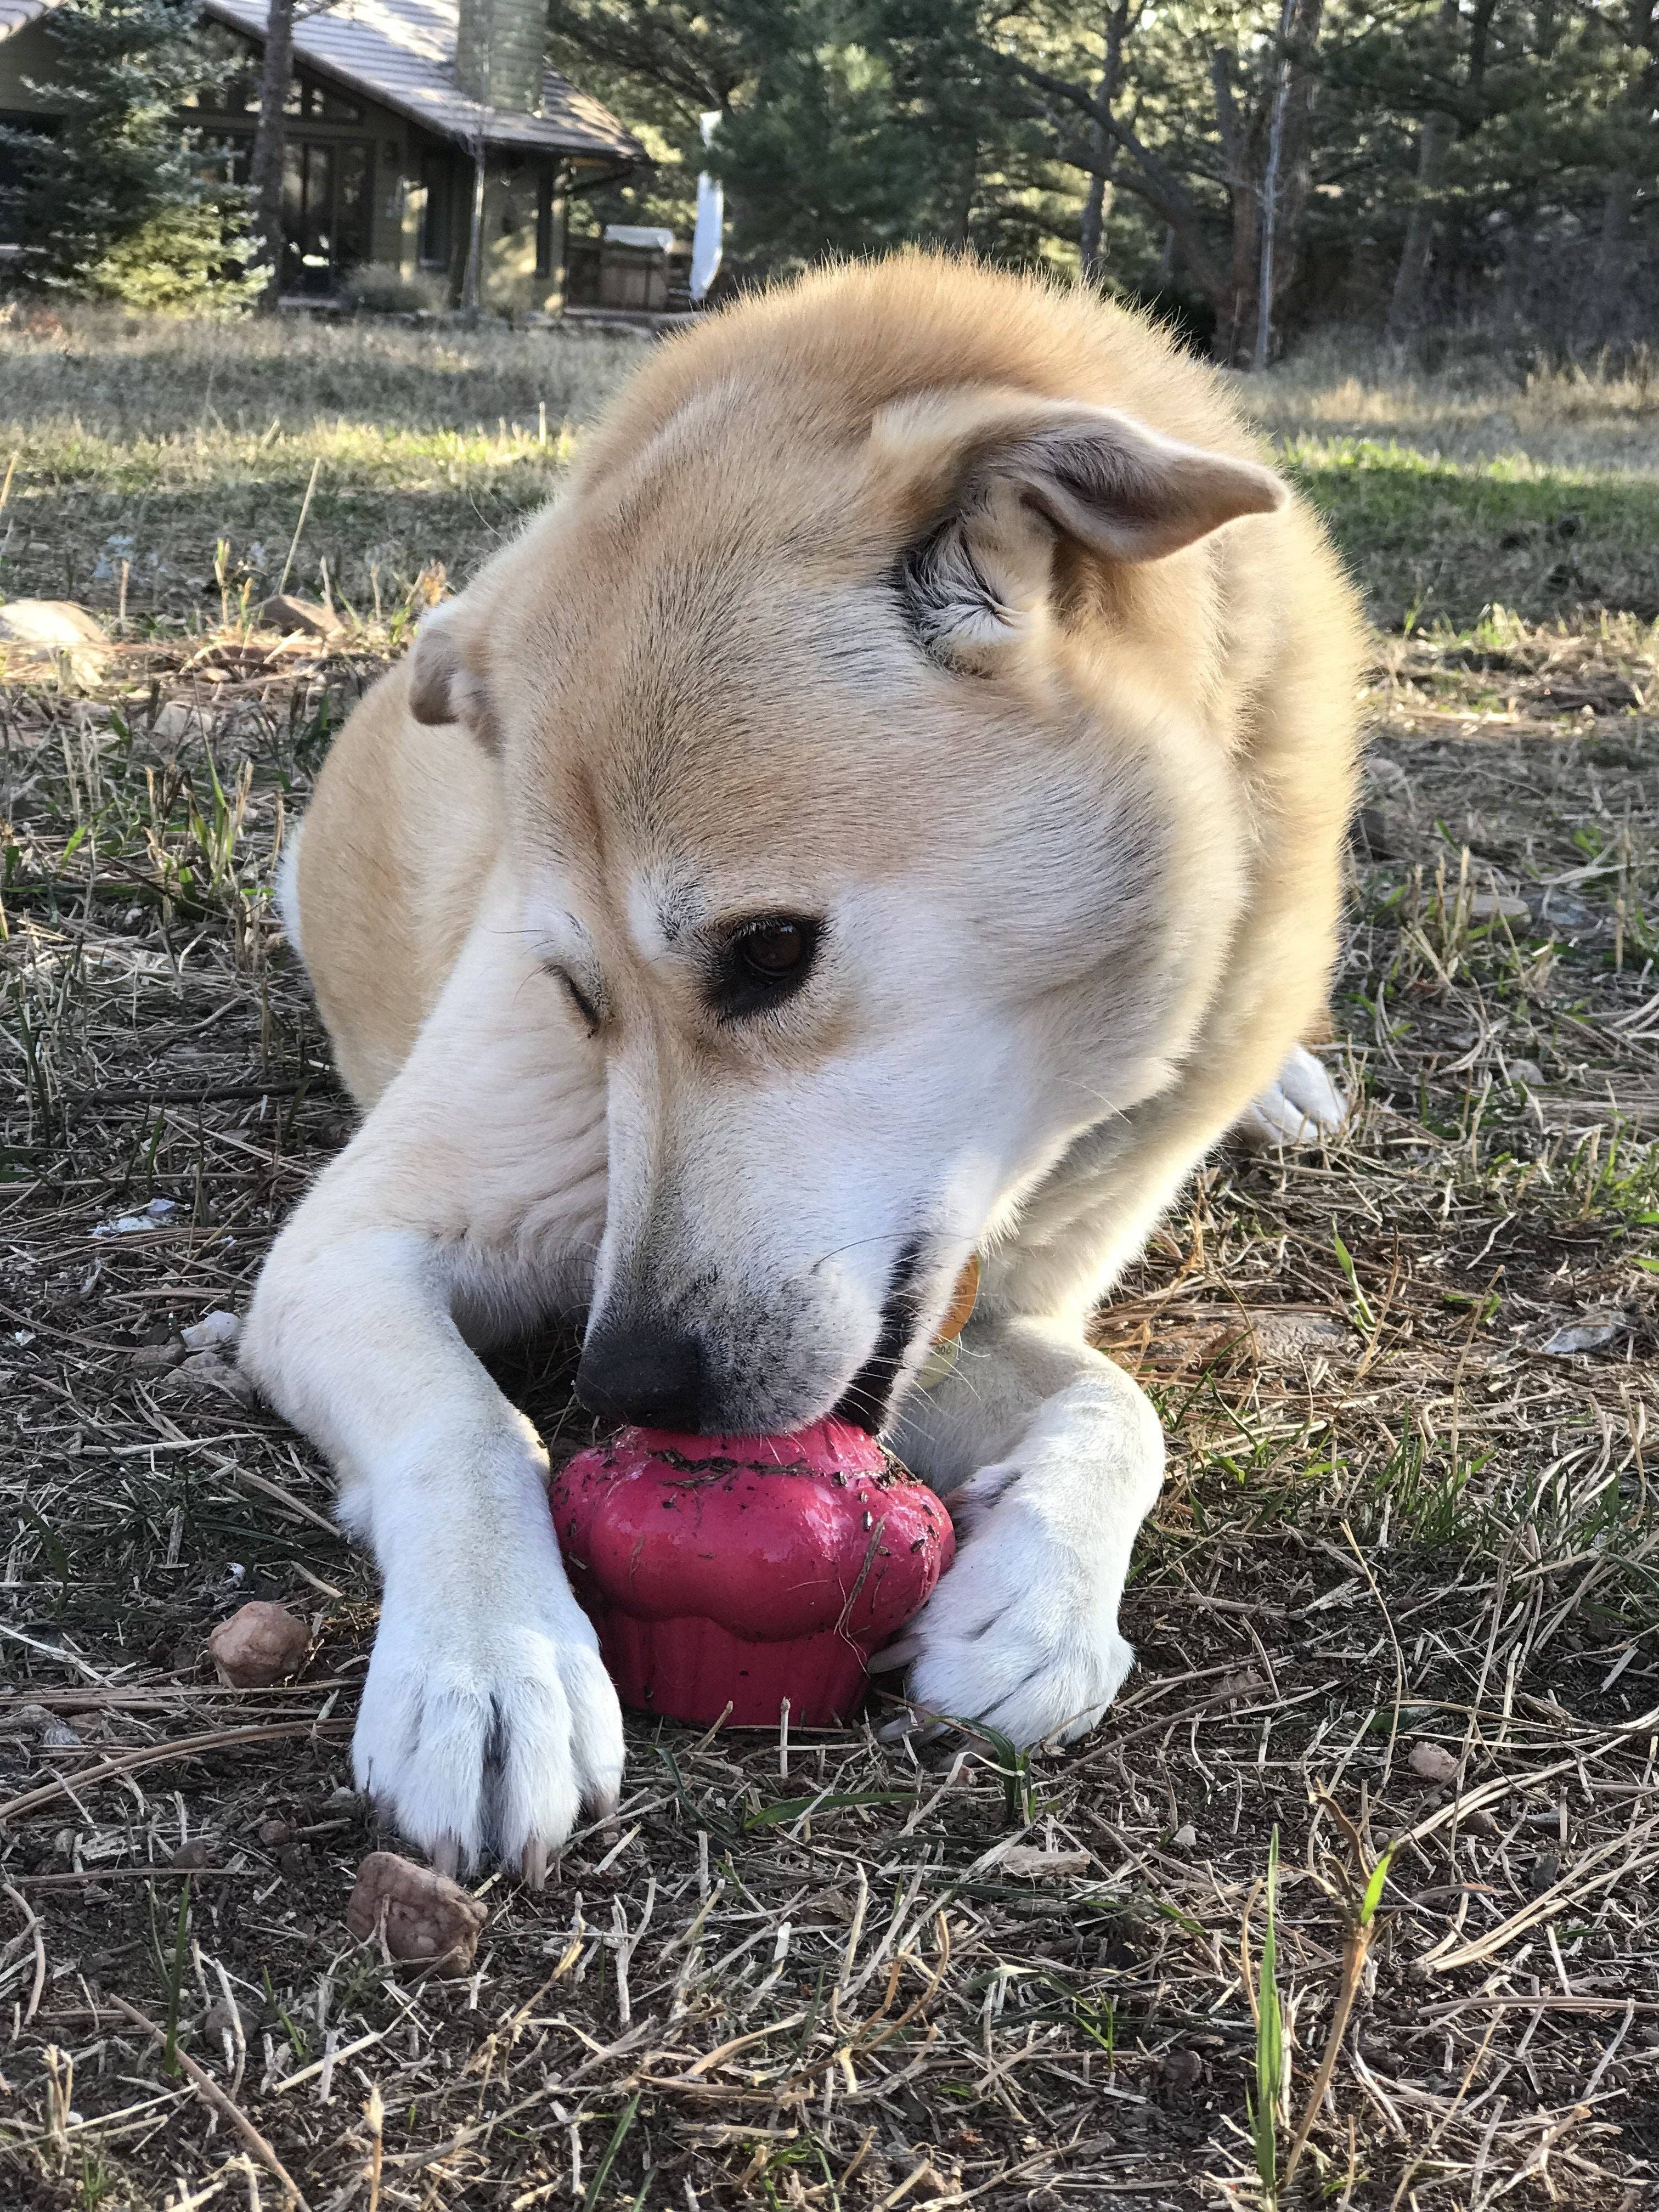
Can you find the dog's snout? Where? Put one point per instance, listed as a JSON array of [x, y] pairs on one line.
[[644, 1370]]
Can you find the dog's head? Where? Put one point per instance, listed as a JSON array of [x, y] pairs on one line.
[[868, 825]]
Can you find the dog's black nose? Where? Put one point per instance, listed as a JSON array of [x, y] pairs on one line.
[[649, 1372]]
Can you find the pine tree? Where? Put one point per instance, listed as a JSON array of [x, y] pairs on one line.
[[119, 169]]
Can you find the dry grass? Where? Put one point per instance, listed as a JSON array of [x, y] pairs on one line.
[[1398, 1602], [1537, 490], [1473, 410], [153, 443]]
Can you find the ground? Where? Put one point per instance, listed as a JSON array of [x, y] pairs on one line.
[[1398, 1696]]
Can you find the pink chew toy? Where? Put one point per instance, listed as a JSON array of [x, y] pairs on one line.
[[747, 1570]]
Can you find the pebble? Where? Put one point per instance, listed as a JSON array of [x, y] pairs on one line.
[[427, 1919], [1038, 1864], [212, 1332], [260, 1643], [1432, 1762]]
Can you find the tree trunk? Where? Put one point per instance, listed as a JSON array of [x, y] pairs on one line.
[[1091, 229], [1612, 259], [1434, 145], [1270, 191], [1102, 148], [270, 145], [1234, 312], [472, 283], [1412, 278]]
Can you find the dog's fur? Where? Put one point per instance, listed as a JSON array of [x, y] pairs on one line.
[[961, 617]]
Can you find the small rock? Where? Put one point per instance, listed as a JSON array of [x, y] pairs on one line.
[[1038, 1864], [174, 722], [1280, 1334], [218, 2023], [54, 1732], [1494, 906], [1183, 2071], [284, 612], [427, 1918], [1479, 1822], [1560, 910], [1386, 779], [149, 1358], [212, 1331], [1374, 835], [1185, 1837], [1546, 1869], [927, 2184], [1432, 1762], [1582, 1336], [207, 1371], [41, 629], [1526, 1071], [274, 1833], [192, 1854], [261, 1642], [1239, 1687]]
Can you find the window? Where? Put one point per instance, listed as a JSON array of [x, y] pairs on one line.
[[438, 217], [307, 97], [547, 229], [327, 188], [12, 162]]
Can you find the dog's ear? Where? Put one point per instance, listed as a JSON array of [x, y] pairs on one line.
[[989, 482], [443, 687]]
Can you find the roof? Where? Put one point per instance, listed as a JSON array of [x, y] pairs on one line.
[[18, 14], [402, 53]]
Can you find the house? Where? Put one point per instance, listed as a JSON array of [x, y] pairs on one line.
[[401, 115]]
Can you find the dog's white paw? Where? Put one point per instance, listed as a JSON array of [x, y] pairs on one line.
[[1301, 1106], [1022, 1633], [488, 1720]]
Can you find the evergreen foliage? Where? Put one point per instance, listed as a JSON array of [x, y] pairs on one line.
[[1493, 163], [118, 199]]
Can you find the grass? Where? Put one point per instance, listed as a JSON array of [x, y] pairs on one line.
[[1538, 489], [148, 443], [1397, 1607]]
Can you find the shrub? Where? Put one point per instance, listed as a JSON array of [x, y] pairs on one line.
[[381, 288], [119, 169], [182, 260]]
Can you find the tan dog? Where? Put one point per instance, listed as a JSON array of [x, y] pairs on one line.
[[890, 807]]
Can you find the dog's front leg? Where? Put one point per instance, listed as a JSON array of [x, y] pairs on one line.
[[476, 1183], [1050, 1457], [487, 1718]]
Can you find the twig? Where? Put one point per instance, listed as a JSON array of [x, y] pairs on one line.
[[294, 543], [157, 1755]]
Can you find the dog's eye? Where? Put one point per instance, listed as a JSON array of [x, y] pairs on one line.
[[762, 964], [774, 949], [579, 999]]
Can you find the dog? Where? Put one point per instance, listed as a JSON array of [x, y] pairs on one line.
[[888, 810]]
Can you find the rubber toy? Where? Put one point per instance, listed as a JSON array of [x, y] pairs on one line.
[[741, 1571]]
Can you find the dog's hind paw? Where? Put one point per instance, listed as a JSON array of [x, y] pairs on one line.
[[1301, 1106], [486, 1728]]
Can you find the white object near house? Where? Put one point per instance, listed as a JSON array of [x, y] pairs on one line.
[[640, 234], [707, 240]]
